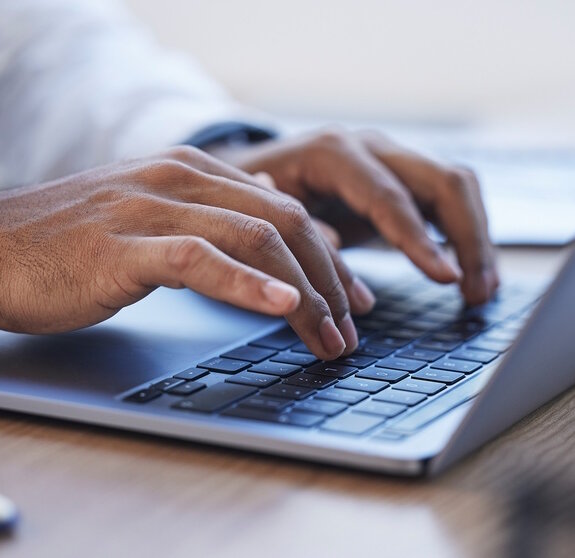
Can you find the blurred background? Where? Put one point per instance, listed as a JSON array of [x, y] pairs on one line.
[[446, 61]]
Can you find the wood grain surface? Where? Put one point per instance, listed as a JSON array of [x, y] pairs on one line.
[[91, 492]]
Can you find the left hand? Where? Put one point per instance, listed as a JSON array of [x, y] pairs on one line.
[[393, 188]]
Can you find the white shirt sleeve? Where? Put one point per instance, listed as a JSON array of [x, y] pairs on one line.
[[82, 84]]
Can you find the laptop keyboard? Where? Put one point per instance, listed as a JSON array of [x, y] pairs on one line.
[[421, 354]]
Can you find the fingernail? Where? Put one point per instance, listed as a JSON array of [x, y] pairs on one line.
[[452, 270], [331, 339], [281, 294], [347, 329], [362, 294]]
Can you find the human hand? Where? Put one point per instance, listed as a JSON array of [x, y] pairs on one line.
[[77, 250], [395, 189]]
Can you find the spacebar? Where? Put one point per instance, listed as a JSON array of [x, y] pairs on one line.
[[439, 406]]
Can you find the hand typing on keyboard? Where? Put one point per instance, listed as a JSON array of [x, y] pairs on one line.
[[83, 247], [394, 189]]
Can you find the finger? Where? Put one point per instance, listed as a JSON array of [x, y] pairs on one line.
[[265, 180], [192, 262], [453, 199], [359, 294], [256, 243], [197, 160], [328, 233], [296, 230], [374, 192], [461, 215]]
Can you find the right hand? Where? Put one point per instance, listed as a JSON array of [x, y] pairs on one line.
[[77, 250]]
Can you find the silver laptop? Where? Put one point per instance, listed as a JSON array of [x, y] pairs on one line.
[[430, 382]]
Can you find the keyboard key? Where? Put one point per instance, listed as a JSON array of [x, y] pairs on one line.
[[435, 344], [381, 408], [404, 333], [385, 374], [401, 397], [474, 354], [187, 388], [291, 418], [143, 395], [435, 375], [329, 408], [265, 403], [163, 385], [361, 384], [301, 359], [449, 336], [249, 353], [313, 381], [420, 354], [385, 342], [275, 369], [483, 344], [191, 374], [453, 365], [342, 395], [419, 386], [352, 424], [301, 348], [332, 369], [387, 315], [278, 340], [288, 392], [501, 334], [219, 364], [439, 406], [248, 378], [405, 364], [376, 351], [214, 398], [355, 360], [422, 325]]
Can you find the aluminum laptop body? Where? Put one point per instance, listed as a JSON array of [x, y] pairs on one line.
[[86, 376]]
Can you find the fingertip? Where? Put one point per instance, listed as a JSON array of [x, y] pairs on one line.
[[479, 288], [446, 271], [361, 297], [331, 339], [349, 333]]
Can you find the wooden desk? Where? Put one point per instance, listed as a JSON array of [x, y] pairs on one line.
[[89, 492]]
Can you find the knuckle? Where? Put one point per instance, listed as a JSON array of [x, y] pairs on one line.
[[396, 196], [295, 214], [332, 138], [334, 291], [374, 136], [316, 304], [260, 235], [187, 252], [235, 280], [169, 171], [458, 180], [183, 153], [387, 203]]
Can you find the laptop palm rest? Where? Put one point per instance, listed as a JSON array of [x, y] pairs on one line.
[[158, 336]]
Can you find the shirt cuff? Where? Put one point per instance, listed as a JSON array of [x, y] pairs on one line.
[[229, 133]]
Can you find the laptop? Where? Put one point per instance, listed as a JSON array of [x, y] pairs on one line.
[[431, 381]]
